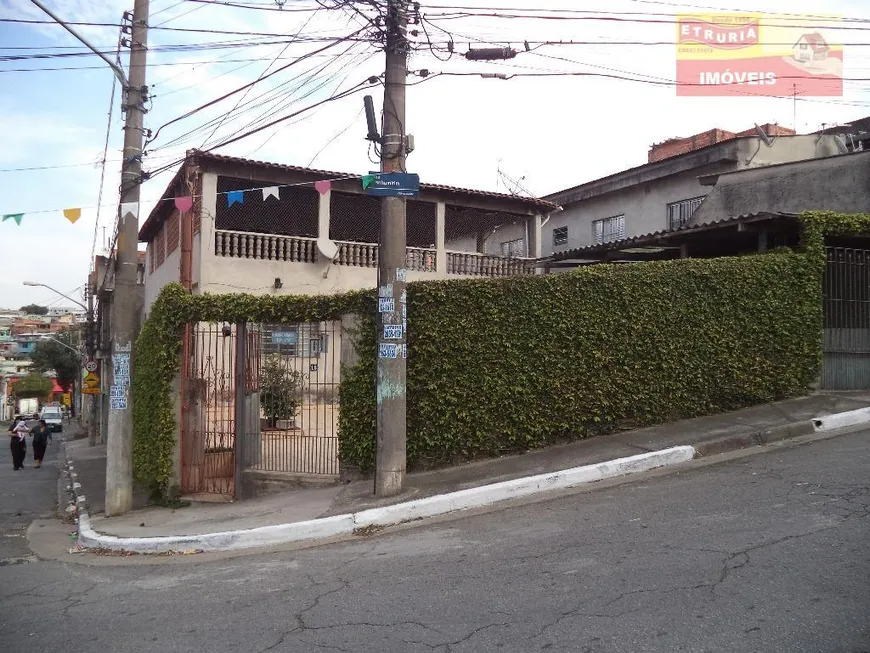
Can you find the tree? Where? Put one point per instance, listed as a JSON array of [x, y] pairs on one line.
[[52, 355], [34, 309], [32, 385], [279, 389]]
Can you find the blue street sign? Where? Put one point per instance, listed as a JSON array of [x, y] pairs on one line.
[[391, 184]]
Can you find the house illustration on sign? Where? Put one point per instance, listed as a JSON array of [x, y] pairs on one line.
[[810, 47]]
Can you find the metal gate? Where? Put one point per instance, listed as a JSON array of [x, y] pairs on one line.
[[291, 428], [208, 439], [846, 344]]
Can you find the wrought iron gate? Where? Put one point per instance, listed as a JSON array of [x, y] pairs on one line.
[[208, 438], [846, 344], [292, 402]]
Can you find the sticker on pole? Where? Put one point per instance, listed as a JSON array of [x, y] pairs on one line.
[[388, 350], [386, 305], [392, 332], [91, 366]]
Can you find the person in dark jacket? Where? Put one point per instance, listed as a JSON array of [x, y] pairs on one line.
[[41, 437], [17, 443]]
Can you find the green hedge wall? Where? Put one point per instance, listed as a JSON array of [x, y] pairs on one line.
[[497, 367]]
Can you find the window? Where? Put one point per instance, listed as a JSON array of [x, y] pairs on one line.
[[608, 230], [560, 236], [294, 340], [513, 248], [679, 213]]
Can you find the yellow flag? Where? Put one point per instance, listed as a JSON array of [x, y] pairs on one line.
[[72, 214]]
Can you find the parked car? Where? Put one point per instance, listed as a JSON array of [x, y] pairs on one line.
[[53, 417]]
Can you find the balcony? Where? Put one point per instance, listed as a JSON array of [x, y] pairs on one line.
[[298, 249]]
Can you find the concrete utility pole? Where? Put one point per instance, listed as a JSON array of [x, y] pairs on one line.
[[119, 446], [391, 382]]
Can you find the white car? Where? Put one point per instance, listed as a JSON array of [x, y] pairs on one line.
[[53, 417]]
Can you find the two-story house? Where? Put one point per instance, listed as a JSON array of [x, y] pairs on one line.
[[664, 193], [269, 228]]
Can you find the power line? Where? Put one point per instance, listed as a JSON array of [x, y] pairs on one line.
[[239, 89], [259, 79]]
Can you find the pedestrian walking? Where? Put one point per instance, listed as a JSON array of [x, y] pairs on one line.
[[17, 442], [41, 439]]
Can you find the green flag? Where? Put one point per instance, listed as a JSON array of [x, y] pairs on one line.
[[368, 180], [13, 216]]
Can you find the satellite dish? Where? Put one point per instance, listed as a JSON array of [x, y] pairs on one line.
[[327, 248], [763, 136]]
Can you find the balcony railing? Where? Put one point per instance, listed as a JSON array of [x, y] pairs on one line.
[[486, 265], [239, 244], [298, 249]]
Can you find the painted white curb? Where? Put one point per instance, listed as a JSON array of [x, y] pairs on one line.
[[341, 525], [842, 420]]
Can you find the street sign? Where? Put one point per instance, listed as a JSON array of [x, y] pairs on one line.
[[391, 184], [92, 366], [91, 384]]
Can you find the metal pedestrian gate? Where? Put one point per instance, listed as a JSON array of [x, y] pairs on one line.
[[846, 343], [291, 429], [281, 422]]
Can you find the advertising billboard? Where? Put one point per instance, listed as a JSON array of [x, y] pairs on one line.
[[759, 54]]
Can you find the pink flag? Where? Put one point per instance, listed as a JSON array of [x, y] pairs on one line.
[[184, 203], [322, 187]]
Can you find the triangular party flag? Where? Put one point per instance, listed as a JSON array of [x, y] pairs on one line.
[[367, 180], [72, 214], [323, 187], [130, 207], [235, 197], [13, 216], [184, 203], [270, 191]]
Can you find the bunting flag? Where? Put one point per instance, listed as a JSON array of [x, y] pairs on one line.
[[184, 203], [235, 197], [368, 180]]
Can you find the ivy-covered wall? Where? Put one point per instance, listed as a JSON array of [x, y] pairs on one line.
[[497, 367], [501, 366]]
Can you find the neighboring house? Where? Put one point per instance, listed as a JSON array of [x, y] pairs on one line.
[[101, 287], [810, 47], [838, 183], [745, 211], [257, 226], [665, 192]]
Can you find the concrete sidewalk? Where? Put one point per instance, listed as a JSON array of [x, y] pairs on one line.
[[309, 508]]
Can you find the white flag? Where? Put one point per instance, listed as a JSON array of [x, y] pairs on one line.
[[271, 190]]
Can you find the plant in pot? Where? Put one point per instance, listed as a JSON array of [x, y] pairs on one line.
[[280, 387]]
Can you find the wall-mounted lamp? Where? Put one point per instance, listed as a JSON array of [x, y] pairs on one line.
[[278, 284]]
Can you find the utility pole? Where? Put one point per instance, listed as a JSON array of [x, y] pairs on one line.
[[119, 449], [90, 346], [391, 382]]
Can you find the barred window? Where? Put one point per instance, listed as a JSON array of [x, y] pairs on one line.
[[679, 213], [608, 230], [298, 340], [514, 248], [560, 236]]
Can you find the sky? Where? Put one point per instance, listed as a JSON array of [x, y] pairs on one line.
[[548, 132]]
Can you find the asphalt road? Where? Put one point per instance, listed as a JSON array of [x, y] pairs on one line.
[[763, 553], [26, 495]]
